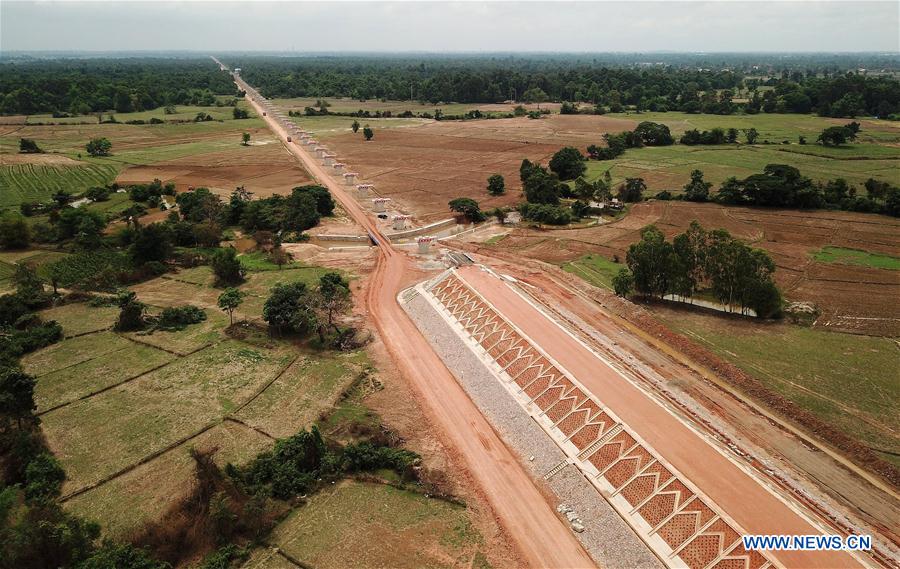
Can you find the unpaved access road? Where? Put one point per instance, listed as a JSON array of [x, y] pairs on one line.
[[540, 535], [756, 509]]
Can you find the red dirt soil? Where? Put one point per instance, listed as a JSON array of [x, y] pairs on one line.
[[265, 170], [424, 167], [542, 538], [852, 299]]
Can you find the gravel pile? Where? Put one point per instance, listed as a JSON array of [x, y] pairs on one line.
[[606, 536]]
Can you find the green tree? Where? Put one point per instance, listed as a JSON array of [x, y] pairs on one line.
[[17, 404], [333, 298], [131, 312], [568, 163], [245, 139], [29, 285], [651, 261], [632, 190], [152, 243], [355, 127], [467, 207], [227, 267], [623, 283], [654, 134], [43, 478], [541, 187], [289, 308], [368, 133], [535, 95], [199, 205], [14, 231], [229, 301], [324, 201], [751, 135], [697, 190], [29, 146], [98, 147], [836, 136], [84, 225], [496, 186]]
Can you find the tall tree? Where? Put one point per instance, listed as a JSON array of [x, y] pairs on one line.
[[229, 301], [496, 185], [697, 190]]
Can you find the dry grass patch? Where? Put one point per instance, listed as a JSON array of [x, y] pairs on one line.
[[72, 352], [355, 524], [192, 338], [73, 382], [143, 494], [310, 386], [97, 437], [81, 318]]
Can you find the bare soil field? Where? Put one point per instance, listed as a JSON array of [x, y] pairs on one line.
[[424, 167], [851, 298], [264, 168]]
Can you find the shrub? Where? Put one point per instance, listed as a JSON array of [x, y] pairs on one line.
[[43, 478], [179, 317], [131, 313], [14, 232], [227, 267]]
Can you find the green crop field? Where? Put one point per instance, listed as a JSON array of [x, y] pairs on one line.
[[844, 256], [37, 182], [857, 392]]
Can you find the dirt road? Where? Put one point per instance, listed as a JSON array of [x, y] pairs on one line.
[[744, 499], [541, 536]]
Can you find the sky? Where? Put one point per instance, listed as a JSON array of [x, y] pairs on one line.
[[636, 26]]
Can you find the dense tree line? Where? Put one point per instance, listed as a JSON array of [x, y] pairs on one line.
[[738, 275], [610, 82], [780, 185], [80, 86]]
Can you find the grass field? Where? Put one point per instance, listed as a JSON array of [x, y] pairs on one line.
[[364, 525], [324, 127], [856, 257], [595, 269], [310, 386], [156, 410], [669, 167], [876, 154], [79, 318], [856, 392]]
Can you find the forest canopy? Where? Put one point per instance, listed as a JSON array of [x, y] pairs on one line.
[[81, 86], [829, 85]]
